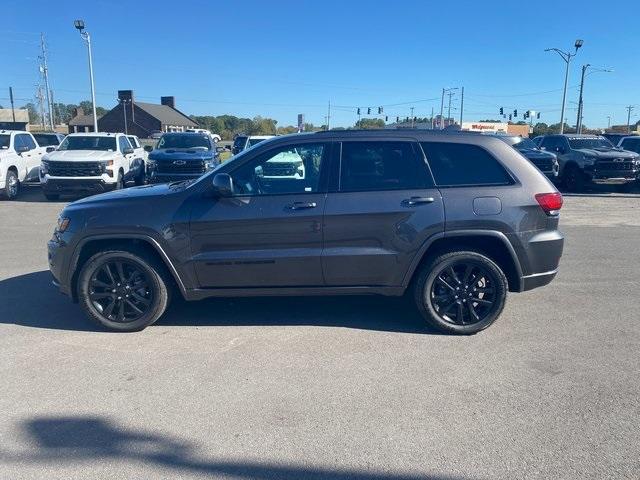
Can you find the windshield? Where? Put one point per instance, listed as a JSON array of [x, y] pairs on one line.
[[632, 145], [255, 141], [591, 143], [46, 139], [520, 143], [89, 143], [4, 141], [184, 141]]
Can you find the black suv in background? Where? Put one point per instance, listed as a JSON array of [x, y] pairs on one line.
[[547, 162], [456, 220], [586, 159], [181, 156]]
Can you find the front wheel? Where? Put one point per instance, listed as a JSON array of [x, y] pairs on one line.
[[12, 186], [461, 292], [123, 291], [573, 179]]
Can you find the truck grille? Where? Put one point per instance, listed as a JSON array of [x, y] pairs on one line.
[[615, 165], [75, 169], [544, 164], [279, 169], [194, 167]]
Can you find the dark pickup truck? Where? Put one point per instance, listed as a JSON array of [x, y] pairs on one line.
[[546, 162], [591, 159], [181, 156]]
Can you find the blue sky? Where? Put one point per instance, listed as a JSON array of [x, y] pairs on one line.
[[282, 58]]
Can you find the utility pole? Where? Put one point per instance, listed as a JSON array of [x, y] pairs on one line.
[[328, 114], [608, 121], [580, 100], [440, 124], [629, 110], [45, 72], [431, 118], [41, 103], [451, 94], [13, 109], [412, 117], [566, 56], [79, 25], [123, 102], [461, 106], [53, 108]]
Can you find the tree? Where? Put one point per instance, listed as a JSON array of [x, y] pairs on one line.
[[34, 116], [87, 106], [370, 123]]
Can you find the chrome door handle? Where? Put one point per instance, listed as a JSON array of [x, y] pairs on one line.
[[418, 200], [301, 205]]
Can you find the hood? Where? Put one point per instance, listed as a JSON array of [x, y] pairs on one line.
[[181, 154], [127, 194], [535, 154], [608, 153], [80, 155]]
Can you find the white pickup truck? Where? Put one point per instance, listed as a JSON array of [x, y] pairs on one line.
[[90, 163], [20, 157]]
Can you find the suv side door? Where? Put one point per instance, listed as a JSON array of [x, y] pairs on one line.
[[381, 208], [32, 156], [123, 145], [269, 232]]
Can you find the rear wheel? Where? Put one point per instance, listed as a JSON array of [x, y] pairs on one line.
[[12, 185], [123, 291], [461, 292]]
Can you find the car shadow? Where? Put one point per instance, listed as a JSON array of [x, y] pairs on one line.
[[59, 440], [32, 301]]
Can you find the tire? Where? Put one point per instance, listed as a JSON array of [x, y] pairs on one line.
[[573, 179], [120, 181], [52, 196], [140, 178], [441, 298], [103, 287], [12, 186]]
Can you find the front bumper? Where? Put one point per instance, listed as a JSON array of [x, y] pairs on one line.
[[76, 184], [56, 256]]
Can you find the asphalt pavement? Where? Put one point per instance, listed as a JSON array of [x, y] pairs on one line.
[[340, 388]]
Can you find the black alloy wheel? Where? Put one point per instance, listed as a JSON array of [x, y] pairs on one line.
[[120, 291], [463, 293]]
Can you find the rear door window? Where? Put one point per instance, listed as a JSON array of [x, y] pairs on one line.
[[373, 166], [458, 164]]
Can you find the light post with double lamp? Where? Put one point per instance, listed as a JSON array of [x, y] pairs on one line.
[[566, 56], [580, 103], [79, 24]]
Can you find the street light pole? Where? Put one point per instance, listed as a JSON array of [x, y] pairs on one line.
[[580, 101], [566, 56], [440, 123], [79, 24], [448, 92]]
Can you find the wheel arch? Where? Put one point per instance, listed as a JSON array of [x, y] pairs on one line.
[[493, 244], [92, 245]]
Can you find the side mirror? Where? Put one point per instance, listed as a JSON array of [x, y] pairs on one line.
[[127, 151], [50, 149], [148, 148], [222, 185], [22, 149]]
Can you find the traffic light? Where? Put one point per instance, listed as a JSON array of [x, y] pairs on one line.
[[538, 115], [368, 111], [509, 117], [379, 110], [397, 119], [515, 113], [386, 118], [501, 111], [526, 114], [358, 110]]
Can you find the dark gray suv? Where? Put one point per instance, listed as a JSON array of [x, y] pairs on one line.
[[453, 220]]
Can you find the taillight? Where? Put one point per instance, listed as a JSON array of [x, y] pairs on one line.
[[551, 203]]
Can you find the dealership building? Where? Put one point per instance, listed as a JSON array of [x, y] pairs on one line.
[[497, 127]]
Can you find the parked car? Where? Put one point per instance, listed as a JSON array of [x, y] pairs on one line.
[[181, 156], [48, 139], [615, 138], [242, 142], [155, 134], [537, 140], [631, 143], [20, 157], [90, 163], [214, 136], [586, 159], [547, 162], [456, 220]]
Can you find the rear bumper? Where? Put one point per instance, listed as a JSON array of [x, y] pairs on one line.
[[529, 282]]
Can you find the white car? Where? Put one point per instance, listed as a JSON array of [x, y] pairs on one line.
[[214, 136], [90, 162], [20, 157], [287, 164]]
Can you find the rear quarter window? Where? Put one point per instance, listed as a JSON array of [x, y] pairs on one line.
[[457, 164]]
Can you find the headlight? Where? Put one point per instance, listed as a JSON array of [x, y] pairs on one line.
[[107, 164], [63, 224], [209, 164], [44, 167]]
